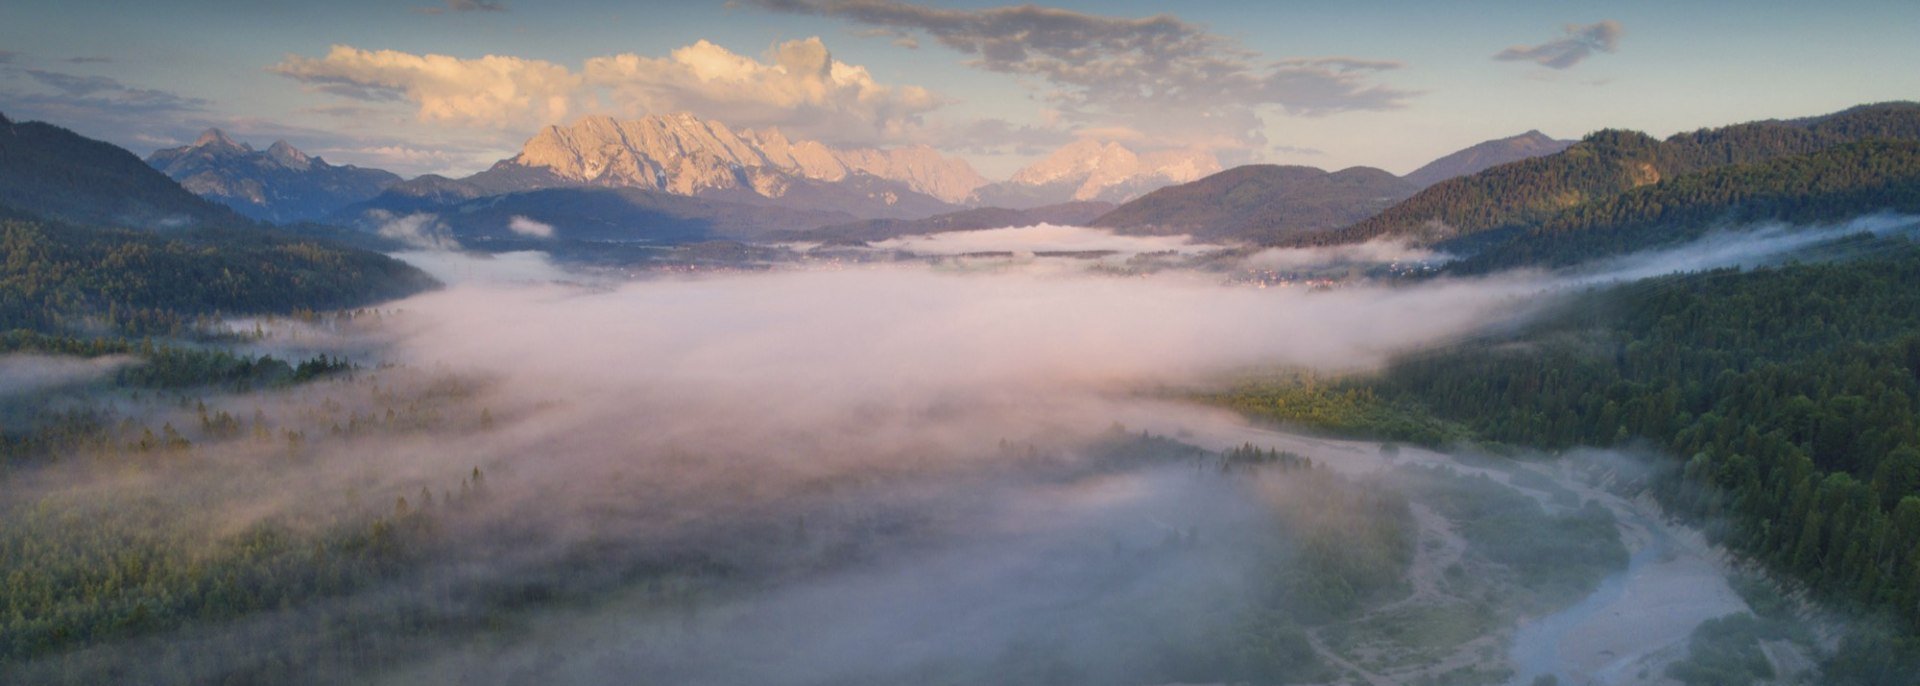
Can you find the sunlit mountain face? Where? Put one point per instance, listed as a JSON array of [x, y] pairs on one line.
[[831, 342]]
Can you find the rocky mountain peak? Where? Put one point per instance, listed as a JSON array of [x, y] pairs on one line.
[[288, 156], [217, 140], [687, 155]]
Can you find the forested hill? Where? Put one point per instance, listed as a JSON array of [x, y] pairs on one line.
[[62, 278], [1607, 163], [1260, 203], [92, 236], [1831, 185], [51, 172], [1787, 394]]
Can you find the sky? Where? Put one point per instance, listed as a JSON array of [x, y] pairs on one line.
[[450, 86]]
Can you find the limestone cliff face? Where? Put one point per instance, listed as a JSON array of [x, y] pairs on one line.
[[685, 155]]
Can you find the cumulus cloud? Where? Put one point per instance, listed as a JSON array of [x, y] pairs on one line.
[[530, 227], [1580, 42], [1158, 74], [493, 91], [797, 85]]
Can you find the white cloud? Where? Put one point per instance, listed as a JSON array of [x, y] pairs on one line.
[[797, 86], [530, 228], [493, 91], [421, 230]]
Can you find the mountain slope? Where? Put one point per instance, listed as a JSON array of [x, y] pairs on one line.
[[1486, 155], [1831, 185], [51, 172], [66, 278], [1260, 202], [279, 184], [94, 235], [1608, 163], [1088, 170], [977, 219]]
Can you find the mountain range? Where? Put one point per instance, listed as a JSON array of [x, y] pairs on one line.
[[712, 181], [1527, 193], [680, 177], [1260, 202], [54, 173], [280, 184], [1485, 156], [100, 238]]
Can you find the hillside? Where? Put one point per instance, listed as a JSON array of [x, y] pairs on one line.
[[1487, 155], [1261, 202], [51, 172], [1608, 163], [68, 278], [280, 184], [1831, 185]]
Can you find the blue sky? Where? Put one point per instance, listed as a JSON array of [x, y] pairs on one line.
[[1387, 84]]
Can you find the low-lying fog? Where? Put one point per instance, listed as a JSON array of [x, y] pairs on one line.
[[896, 470]]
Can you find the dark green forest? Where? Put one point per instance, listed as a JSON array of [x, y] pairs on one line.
[[59, 174], [1828, 186], [1607, 163], [60, 277], [1789, 395]]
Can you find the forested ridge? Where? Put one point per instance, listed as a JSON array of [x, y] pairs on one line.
[[1828, 186], [1789, 395], [1611, 162], [56, 173], [60, 277], [1785, 402]]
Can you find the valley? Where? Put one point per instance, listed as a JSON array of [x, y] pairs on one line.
[[886, 342]]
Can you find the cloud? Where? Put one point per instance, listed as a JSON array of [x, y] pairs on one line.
[[88, 92], [422, 230], [996, 136], [1580, 42], [463, 6], [530, 228], [100, 107], [1157, 74], [797, 85], [26, 373], [494, 91], [1026, 240], [8, 56], [95, 59]]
